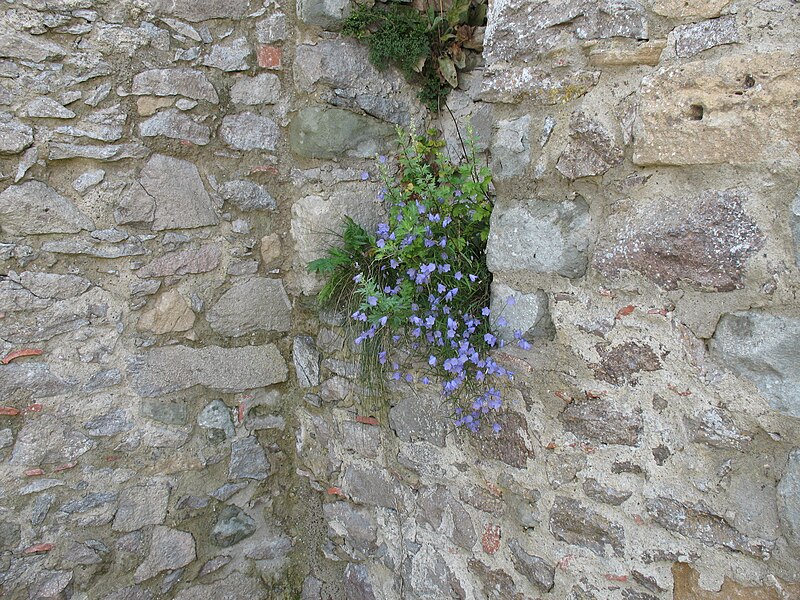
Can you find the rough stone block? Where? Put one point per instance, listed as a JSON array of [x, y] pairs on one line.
[[697, 37], [260, 304], [540, 236], [574, 523], [34, 208], [317, 132], [764, 348]]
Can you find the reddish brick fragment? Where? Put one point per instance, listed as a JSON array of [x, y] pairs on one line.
[[65, 467], [8, 411], [34, 408], [625, 311], [269, 57], [38, 549], [367, 420], [19, 354], [34, 472], [490, 541], [613, 577]]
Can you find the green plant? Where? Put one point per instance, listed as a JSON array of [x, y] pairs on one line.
[[418, 289], [427, 46]]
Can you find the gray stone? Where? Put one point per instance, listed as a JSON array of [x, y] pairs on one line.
[[15, 136], [176, 125], [33, 208], [196, 11], [327, 14], [24, 380], [361, 438], [107, 152], [215, 564], [28, 159], [53, 285], [142, 505], [514, 84], [136, 206], [537, 570], [247, 196], [133, 592], [621, 364], [574, 523], [217, 415], [788, 496], [181, 200], [234, 587], [698, 523], [317, 132], [542, 236], [160, 371], [426, 573], [229, 56], [511, 149], [603, 493], [420, 416], [306, 361], [591, 150], [232, 526], [510, 445], [192, 260], [174, 82], [369, 483], [330, 66], [599, 422], [248, 460], [41, 507], [764, 348], [48, 440], [795, 225], [526, 314], [169, 549], [6, 438], [563, 467], [91, 248], [112, 423], [164, 411], [704, 240], [352, 529], [88, 180], [694, 38], [9, 535], [261, 89], [272, 29], [248, 131], [446, 515], [357, 585], [715, 427], [227, 491], [50, 584], [16, 44], [171, 313], [46, 108], [496, 584], [260, 304]]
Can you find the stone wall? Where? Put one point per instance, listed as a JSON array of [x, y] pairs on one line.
[[178, 421]]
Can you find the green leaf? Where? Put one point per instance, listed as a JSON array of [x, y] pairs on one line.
[[448, 71]]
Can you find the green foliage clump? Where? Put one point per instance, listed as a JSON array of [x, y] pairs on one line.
[[418, 289], [427, 46]]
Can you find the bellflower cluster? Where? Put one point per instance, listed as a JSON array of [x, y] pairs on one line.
[[419, 287]]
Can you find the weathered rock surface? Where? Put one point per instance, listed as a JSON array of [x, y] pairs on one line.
[[181, 200], [764, 348], [623, 363], [511, 445], [704, 241], [537, 570], [703, 9], [527, 314], [248, 460], [789, 499], [714, 101], [170, 549], [247, 196], [697, 37], [260, 304], [171, 313], [176, 125], [327, 14], [175, 82], [704, 526], [142, 505], [591, 150], [306, 361], [574, 523], [48, 440], [21, 381], [163, 370], [16, 44], [53, 285], [33, 208], [511, 150], [436, 504], [715, 427], [330, 66], [192, 260], [229, 55], [603, 493], [15, 136], [234, 587], [541, 236], [420, 416], [317, 132], [600, 423], [261, 89], [352, 528], [232, 526], [248, 131]]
